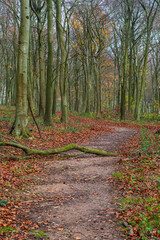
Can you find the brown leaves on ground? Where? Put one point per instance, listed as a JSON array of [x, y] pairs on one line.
[[16, 174], [139, 181]]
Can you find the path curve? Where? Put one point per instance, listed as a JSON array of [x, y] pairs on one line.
[[78, 201]]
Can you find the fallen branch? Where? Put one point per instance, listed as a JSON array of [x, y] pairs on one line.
[[8, 138], [13, 157], [66, 148]]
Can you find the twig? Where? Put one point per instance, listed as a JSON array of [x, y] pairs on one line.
[[34, 117], [90, 178], [14, 157], [8, 138]]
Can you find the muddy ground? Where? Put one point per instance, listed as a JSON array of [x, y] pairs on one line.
[[76, 199]]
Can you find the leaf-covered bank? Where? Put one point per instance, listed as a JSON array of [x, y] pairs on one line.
[[139, 180]]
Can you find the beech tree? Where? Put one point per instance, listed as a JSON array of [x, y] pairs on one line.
[[150, 14], [38, 9], [63, 40], [21, 120], [105, 58], [9, 25], [91, 33], [128, 9], [49, 87], [155, 73], [63, 61], [131, 49]]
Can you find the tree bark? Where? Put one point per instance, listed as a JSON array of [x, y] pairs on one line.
[[125, 61], [21, 124], [55, 87], [49, 88], [63, 66], [52, 151], [38, 9], [88, 81], [42, 72]]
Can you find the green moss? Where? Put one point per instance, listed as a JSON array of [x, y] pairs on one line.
[[39, 234]]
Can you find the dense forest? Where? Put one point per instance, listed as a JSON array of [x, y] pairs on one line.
[[79, 119], [85, 56]]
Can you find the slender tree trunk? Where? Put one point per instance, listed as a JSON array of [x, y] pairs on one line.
[[30, 76], [7, 78], [42, 73], [49, 89], [115, 83], [137, 84], [142, 87], [125, 67], [77, 98], [100, 83], [84, 88], [153, 88], [56, 82], [97, 89], [88, 82], [156, 83], [13, 97], [130, 80], [63, 64]]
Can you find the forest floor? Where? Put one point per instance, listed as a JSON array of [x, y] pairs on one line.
[[80, 197]]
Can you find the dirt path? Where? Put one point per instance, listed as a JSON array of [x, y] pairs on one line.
[[77, 199]]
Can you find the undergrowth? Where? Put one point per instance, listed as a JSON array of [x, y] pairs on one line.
[[150, 117], [140, 180], [139, 177]]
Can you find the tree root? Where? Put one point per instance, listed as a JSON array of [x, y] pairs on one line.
[[29, 151]]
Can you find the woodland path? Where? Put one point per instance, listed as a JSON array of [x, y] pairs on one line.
[[77, 199]]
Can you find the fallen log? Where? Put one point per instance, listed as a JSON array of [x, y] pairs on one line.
[[29, 151]]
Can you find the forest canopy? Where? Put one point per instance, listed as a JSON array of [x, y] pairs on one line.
[[83, 56]]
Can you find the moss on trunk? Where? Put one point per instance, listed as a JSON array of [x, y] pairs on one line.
[[51, 151]]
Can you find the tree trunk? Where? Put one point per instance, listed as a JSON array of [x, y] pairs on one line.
[[142, 87], [42, 73], [21, 123], [115, 84], [7, 78], [125, 64], [30, 76], [63, 65], [56, 82], [88, 82], [98, 103], [77, 97], [130, 81], [49, 89]]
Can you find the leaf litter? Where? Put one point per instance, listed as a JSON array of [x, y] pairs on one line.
[[23, 211]]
